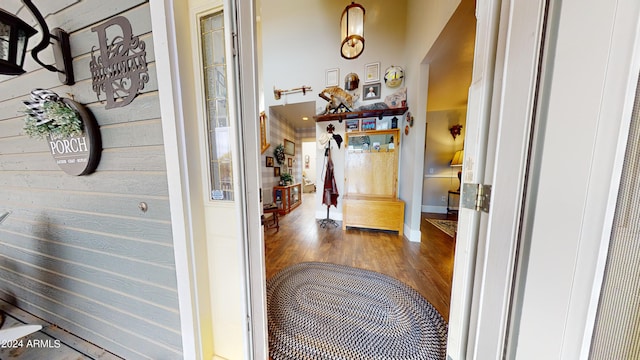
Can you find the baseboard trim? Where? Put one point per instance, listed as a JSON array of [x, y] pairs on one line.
[[434, 209], [412, 235]]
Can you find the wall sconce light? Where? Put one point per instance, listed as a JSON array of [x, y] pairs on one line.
[[352, 31], [14, 35], [455, 130]]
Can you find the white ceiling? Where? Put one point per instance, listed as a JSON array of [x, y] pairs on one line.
[[450, 70], [293, 113]]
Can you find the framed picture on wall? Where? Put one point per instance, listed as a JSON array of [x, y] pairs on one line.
[[332, 77], [276, 171], [383, 124], [368, 124], [352, 125], [289, 147], [264, 144], [372, 72], [290, 162], [269, 161], [371, 91]]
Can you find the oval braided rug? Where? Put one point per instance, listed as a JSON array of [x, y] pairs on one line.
[[329, 311]]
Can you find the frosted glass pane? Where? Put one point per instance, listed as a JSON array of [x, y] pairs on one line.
[[218, 47], [215, 82], [207, 44], [220, 81]]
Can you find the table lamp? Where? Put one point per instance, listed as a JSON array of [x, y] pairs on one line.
[[457, 162]]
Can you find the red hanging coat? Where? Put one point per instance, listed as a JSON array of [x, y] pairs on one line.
[[330, 194]]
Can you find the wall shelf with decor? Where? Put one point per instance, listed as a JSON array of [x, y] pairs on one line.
[[380, 113], [371, 181]]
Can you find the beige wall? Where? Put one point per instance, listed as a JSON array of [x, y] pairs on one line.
[[425, 20], [301, 41], [439, 176]]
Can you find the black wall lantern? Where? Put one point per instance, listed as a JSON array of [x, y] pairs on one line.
[[14, 35]]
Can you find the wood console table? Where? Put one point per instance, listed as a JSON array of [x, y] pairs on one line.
[[287, 197]]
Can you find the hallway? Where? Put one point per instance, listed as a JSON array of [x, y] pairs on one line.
[[426, 266]]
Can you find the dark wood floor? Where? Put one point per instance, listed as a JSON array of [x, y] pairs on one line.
[[426, 266]]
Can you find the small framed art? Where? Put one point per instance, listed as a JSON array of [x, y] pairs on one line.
[[368, 124], [289, 147], [290, 162], [372, 72], [352, 125], [276, 171], [269, 161], [332, 77], [371, 91]]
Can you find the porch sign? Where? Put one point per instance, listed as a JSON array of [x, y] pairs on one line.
[[78, 155]]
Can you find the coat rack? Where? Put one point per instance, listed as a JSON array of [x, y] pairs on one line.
[[330, 189]]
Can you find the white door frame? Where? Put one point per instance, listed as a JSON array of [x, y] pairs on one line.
[[515, 83], [163, 27], [247, 63]]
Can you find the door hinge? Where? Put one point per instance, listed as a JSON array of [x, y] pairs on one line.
[[476, 197]]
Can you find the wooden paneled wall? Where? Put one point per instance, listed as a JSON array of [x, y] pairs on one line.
[[77, 250]]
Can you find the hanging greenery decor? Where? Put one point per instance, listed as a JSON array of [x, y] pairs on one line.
[[278, 152], [48, 114]]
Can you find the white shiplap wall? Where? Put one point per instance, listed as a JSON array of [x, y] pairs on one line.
[[77, 251]]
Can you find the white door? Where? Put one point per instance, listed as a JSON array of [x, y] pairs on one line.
[[246, 64], [499, 123], [585, 110], [539, 93]]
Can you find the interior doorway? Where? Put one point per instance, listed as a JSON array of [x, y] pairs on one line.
[[310, 178], [450, 71]]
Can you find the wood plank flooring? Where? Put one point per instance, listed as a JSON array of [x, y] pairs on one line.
[[426, 266]]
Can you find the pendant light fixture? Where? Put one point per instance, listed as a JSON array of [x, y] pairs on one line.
[[352, 31]]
